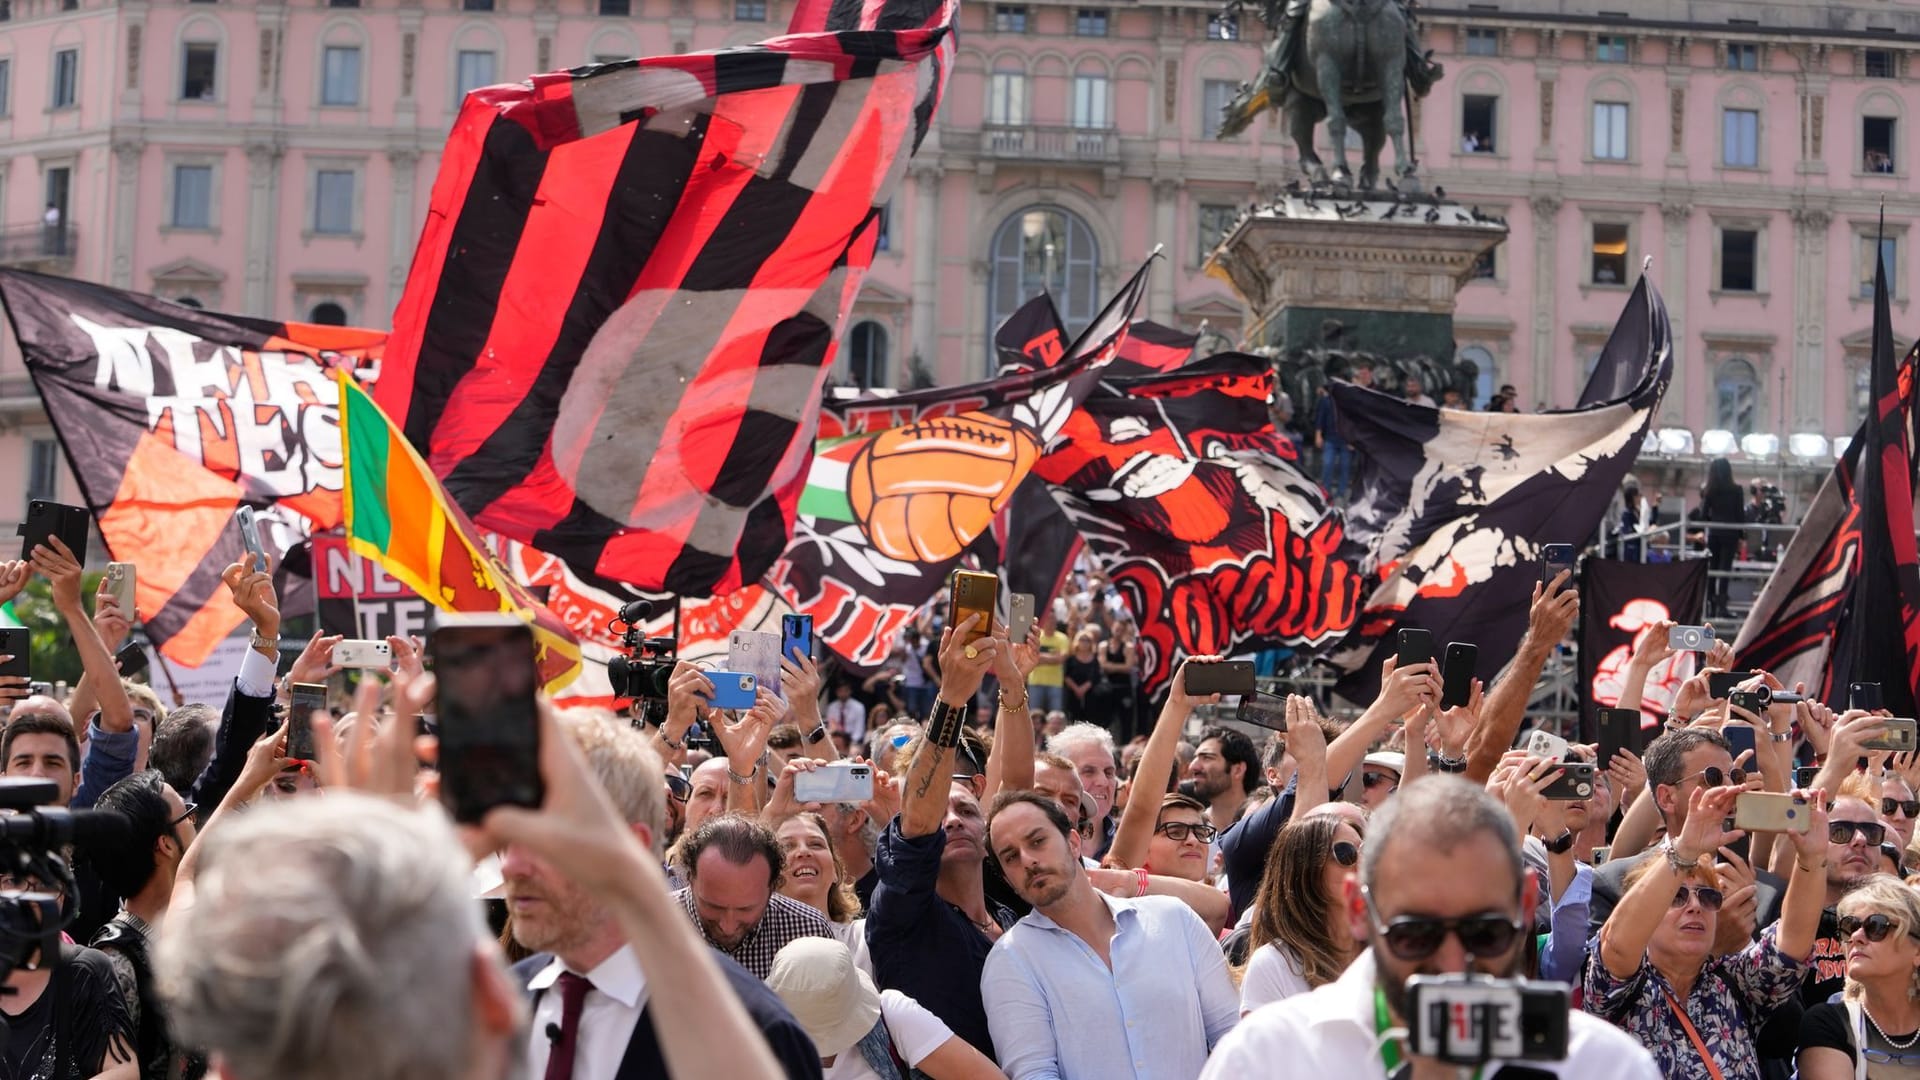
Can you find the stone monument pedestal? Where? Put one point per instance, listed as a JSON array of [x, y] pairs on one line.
[[1387, 271]]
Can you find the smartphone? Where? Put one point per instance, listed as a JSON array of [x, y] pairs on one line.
[[1690, 638], [1864, 695], [1456, 675], [1222, 677], [15, 644], [377, 655], [49, 519], [1741, 737], [1599, 855], [250, 535], [1269, 713], [974, 593], [1750, 700], [120, 581], [734, 689], [1721, 683], [796, 637], [1620, 729], [1575, 782], [1546, 744], [1767, 811], [306, 698], [1019, 616], [1899, 737], [1553, 559], [757, 653], [836, 781], [132, 659], [1803, 776], [484, 671], [1416, 647]]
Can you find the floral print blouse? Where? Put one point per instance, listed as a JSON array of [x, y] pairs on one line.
[[1729, 1002]]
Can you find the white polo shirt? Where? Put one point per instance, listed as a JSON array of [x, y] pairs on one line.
[[1330, 1032]]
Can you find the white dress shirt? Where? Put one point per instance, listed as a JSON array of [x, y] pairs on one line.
[[607, 1015]]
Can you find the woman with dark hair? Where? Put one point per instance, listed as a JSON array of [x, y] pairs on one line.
[[1301, 939], [1722, 503]]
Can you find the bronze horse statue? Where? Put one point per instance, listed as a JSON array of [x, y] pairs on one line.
[[1353, 67]]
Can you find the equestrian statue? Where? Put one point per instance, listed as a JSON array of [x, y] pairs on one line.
[[1348, 62]]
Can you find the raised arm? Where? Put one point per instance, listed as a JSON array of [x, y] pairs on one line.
[[924, 806], [1155, 767], [1806, 894], [1010, 762], [1624, 937], [1401, 692], [62, 571], [745, 742], [1652, 649], [114, 626], [1555, 608]]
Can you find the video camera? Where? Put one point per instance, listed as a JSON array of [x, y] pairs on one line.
[[644, 672], [1469, 1020], [39, 899]]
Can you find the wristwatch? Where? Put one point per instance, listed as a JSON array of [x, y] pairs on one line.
[[259, 642], [1560, 846]]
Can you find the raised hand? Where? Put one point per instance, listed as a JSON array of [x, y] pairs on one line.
[[62, 571], [13, 577], [1401, 692], [1653, 646], [782, 804], [1816, 723], [963, 665], [1627, 774], [113, 624], [406, 655], [1810, 847], [745, 739], [1707, 813], [1177, 695], [689, 693], [1453, 727], [253, 594], [1556, 606], [315, 662]]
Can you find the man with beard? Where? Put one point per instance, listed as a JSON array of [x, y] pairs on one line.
[[1089, 984], [1225, 770], [1439, 890]]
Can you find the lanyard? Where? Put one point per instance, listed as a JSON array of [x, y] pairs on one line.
[[1390, 1048]]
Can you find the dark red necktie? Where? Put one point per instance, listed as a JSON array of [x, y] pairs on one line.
[[573, 991]]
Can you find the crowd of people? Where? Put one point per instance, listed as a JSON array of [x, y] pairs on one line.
[[1017, 895]]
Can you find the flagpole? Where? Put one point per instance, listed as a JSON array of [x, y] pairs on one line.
[[173, 688]]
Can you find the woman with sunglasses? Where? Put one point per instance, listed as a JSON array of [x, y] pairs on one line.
[[1880, 1010], [1301, 938], [1654, 973], [1898, 808], [816, 877]]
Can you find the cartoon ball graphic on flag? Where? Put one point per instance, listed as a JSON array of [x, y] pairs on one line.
[[924, 491]]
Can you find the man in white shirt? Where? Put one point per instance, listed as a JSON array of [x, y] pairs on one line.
[[845, 713], [1089, 984], [1440, 890]]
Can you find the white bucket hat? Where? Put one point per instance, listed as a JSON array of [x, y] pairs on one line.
[[834, 1001]]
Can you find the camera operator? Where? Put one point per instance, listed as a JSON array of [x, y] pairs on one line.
[[1440, 890]]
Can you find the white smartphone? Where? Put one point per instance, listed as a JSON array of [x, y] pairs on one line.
[[836, 781], [1019, 616], [120, 585], [1547, 745], [363, 654], [757, 653]]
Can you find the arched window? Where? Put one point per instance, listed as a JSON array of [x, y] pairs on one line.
[[867, 355], [1862, 395], [328, 313], [1736, 387], [1044, 249], [188, 301], [1484, 382]]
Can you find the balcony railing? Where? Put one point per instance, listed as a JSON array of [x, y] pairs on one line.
[[45, 246], [1038, 142]]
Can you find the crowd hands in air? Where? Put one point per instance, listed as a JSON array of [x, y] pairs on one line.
[[1004, 900]]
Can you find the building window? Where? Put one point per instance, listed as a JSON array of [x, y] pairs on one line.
[[1743, 56], [1740, 138], [343, 3], [1877, 63], [193, 196], [1482, 41], [1010, 18], [1862, 397], [6, 10], [1609, 254], [867, 355], [1090, 22], [340, 75], [1478, 116], [1876, 144], [191, 301], [1044, 248], [1477, 360], [43, 470], [66, 78], [883, 229], [476, 5], [1223, 28], [6, 86], [1484, 267], [327, 313], [333, 202], [1610, 130], [197, 72], [1889, 249], [1007, 98], [473, 71], [1216, 220], [616, 7], [1090, 101], [1610, 49], [749, 10], [1736, 392], [1214, 96], [1739, 260]]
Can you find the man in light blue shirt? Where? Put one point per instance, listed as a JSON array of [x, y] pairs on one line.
[[1089, 985]]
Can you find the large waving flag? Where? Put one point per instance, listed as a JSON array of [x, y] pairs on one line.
[[626, 299], [398, 515]]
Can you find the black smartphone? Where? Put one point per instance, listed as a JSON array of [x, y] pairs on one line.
[[1803, 776], [1620, 729], [1269, 713], [1456, 675], [1416, 647], [1575, 782], [1223, 677], [1751, 700], [307, 697], [18, 647], [131, 658], [1864, 695], [796, 637], [1553, 559], [1741, 738], [1721, 683], [50, 519], [484, 668]]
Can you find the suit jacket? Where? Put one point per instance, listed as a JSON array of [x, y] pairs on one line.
[[789, 1041]]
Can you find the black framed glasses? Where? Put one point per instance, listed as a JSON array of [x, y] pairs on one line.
[[1346, 854], [1179, 831], [1709, 897], [1415, 937], [1877, 926], [1842, 832], [190, 810], [1715, 778], [677, 787], [1909, 807]]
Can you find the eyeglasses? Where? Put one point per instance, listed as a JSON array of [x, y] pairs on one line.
[[1710, 898], [1715, 778], [1179, 831], [1842, 832], [1909, 807], [191, 808], [1882, 1057], [1346, 854], [1371, 780], [677, 788], [1877, 926], [1415, 937]]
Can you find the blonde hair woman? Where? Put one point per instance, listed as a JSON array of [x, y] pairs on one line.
[[1880, 1011]]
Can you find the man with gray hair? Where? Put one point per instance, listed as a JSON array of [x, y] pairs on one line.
[[1090, 748], [1440, 890]]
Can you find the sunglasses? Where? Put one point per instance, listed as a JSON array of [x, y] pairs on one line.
[[1415, 937], [1842, 832], [1892, 851], [1909, 807], [1709, 898], [1371, 780], [1876, 926], [1346, 854], [1715, 778], [1179, 831], [191, 808], [677, 787]]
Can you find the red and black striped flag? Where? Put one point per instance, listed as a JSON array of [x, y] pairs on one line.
[[631, 283]]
